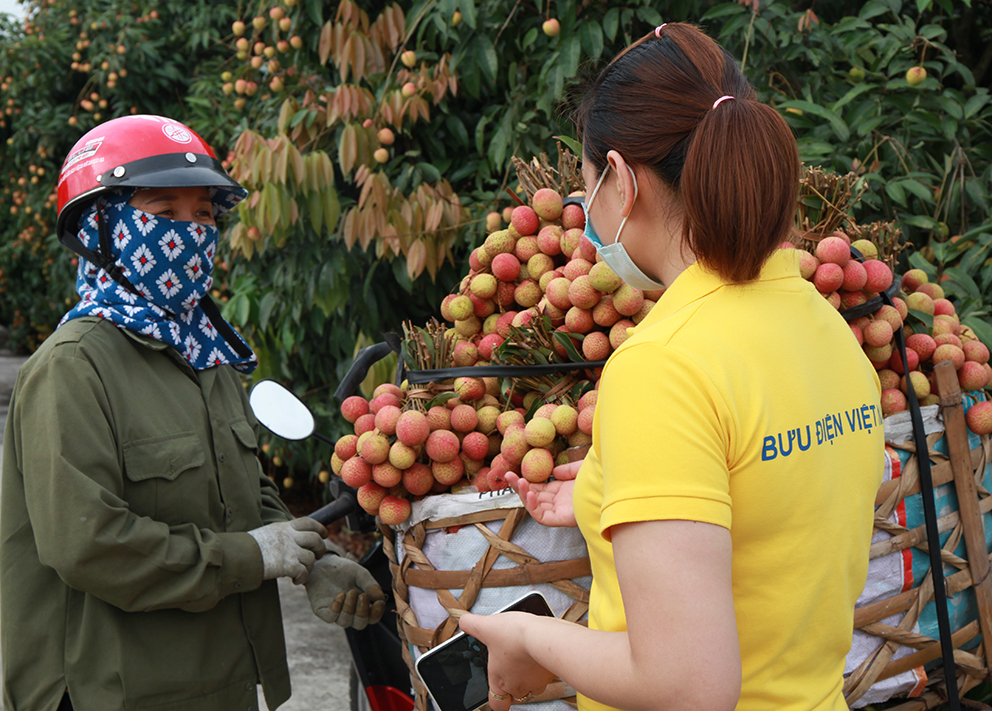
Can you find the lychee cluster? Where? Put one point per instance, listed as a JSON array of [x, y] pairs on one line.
[[847, 283], [398, 451], [542, 265]]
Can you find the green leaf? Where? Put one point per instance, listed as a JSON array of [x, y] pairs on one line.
[[430, 173], [964, 280], [480, 135], [265, 309], [981, 328], [592, 39], [873, 8], [729, 8], [611, 21], [571, 52], [487, 56], [571, 143], [851, 95], [975, 103], [836, 122], [529, 38], [569, 345], [468, 12], [895, 191], [923, 317], [921, 221]]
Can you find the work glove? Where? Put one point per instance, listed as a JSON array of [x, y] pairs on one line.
[[343, 592], [290, 548]]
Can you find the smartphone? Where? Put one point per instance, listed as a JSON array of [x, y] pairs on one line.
[[456, 672]]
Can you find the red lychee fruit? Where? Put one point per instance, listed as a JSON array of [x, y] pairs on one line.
[[604, 313], [919, 301], [604, 279], [579, 320], [547, 204], [393, 510], [497, 479], [514, 445], [943, 307], [920, 384], [505, 419], [524, 220], [481, 480], [976, 351], [878, 333], [949, 352], [570, 241], [448, 472], [573, 217], [413, 428], [934, 291], [464, 418], [537, 465], [438, 418], [833, 250], [346, 447], [418, 479], [386, 475], [858, 334], [586, 250], [465, 354], [539, 265], [855, 276], [365, 423], [506, 267], [627, 300], [386, 418], [469, 389], [488, 344], [527, 293], [849, 299], [576, 267], [620, 332], [526, 248], [356, 472], [500, 242], [585, 420], [565, 418], [895, 362], [893, 401], [504, 323], [596, 346], [375, 449], [402, 456], [549, 240], [354, 407], [807, 265], [972, 376], [888, 379], [582, 293], [879, 276], [540, 432], [912, 280], [370, 496], [442, 446], [829, 277], [475, 445], [558, 290], [890, 315], [979, 418], [923, 344]]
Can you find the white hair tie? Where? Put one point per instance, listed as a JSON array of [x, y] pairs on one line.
[[722, 99], [658, 29]]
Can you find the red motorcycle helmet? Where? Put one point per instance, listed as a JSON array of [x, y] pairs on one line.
[[140, 151]]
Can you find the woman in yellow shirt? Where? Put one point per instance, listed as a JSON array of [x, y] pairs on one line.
[[727, 500]]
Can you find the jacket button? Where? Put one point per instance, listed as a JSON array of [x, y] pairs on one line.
[[249, 686], [221, 457], [230, 512], [237, 586]]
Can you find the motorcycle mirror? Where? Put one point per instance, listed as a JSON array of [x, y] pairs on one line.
[[280, 411]]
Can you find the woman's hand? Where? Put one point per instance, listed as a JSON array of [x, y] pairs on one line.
[[512, 670], [549, 503]]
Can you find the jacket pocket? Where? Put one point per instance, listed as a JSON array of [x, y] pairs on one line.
[[165, 478], [247, 452]]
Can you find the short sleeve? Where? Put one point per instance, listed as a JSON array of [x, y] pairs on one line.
[[663, 434]]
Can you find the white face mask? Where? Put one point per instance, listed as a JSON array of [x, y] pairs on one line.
[[615, 255]]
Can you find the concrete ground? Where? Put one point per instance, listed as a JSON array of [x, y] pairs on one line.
[[319, 659]]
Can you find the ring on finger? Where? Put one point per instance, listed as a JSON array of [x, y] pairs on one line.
[[499, 697], [525, 699]]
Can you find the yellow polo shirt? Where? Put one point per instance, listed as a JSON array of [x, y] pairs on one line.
[[750, 407]]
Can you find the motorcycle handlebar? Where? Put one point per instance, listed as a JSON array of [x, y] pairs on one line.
[[345, 504]]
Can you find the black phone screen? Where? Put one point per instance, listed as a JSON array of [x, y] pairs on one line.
[[456, 672]]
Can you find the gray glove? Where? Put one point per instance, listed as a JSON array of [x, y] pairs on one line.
[[345, 593], [289, 549]]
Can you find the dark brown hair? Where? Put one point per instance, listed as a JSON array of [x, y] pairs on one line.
[[734, 168]]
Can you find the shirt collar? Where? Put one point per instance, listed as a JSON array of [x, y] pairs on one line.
[[697, 282]]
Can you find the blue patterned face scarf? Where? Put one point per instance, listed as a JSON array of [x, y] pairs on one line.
[[169, 263]]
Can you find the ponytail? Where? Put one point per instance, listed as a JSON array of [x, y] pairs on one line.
[[733, 164], [739, 187]]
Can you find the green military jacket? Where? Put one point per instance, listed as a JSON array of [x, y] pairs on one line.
[[126, 575]]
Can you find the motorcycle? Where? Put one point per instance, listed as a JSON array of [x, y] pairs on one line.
[[380, 680]]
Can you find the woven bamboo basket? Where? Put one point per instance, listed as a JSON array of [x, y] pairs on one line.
[[413, 569], [954, 462]]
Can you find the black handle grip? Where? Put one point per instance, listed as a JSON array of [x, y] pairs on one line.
[[359, 369], [337, 509]]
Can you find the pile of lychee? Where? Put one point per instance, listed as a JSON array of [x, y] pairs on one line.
[[848, 283], [399, 451], [542, 265]]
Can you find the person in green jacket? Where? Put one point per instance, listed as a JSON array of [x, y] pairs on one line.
[[140, 541]]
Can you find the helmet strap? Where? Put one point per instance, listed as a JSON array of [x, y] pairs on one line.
[[104, 258], [212, 312]]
